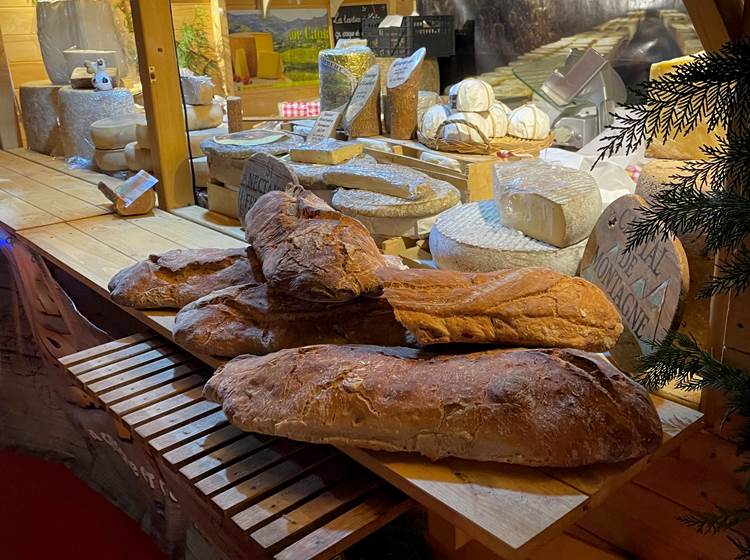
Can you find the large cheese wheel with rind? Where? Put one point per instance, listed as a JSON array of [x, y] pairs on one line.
[[472, 238], [113, 133]]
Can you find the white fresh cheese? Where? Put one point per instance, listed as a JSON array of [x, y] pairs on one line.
[[551, 203], [472, 238], [499, 117], [460, 132], [529, 122], [425, 100], [431, 120], [471, 95]]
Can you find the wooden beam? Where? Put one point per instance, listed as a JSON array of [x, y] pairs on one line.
[[162, 97], [708, 22], [9, 133]]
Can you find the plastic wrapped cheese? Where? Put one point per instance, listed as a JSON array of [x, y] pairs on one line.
[[471, 95], [499, 116], [551, 203], [528, 121], [432, 119], [460, 132]]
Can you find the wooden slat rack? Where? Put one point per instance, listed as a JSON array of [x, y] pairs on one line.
[[275, 497]]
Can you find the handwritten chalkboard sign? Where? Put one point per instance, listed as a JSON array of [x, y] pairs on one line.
[[347, 23], [647, 284], [325, 127], [263, 173]]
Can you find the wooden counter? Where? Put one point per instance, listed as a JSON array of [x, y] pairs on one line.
[[512, 511]]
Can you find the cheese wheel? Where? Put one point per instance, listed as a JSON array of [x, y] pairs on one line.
[[499, 117], [356, 202], [114, 132], [432, 119], [472, 238], [472, 95], [443, 161], [196, 137], [200, 169], [528, 121], [39, 110], [201, 117], [111, 160], [137, 158], [459, 132]]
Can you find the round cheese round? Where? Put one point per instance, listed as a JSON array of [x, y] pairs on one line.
[[114, 132], [460, 132], [499, 117], [472, 95], [110, 160], [472, 238], [357, 202], [137, 158], [141, 134], [200, 168], [432, 119], [529, 122], [201, 117]]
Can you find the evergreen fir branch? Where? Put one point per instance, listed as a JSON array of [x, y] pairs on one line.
[[676, 357], [727, 166], [723, 217], [734, 274], [714, 87], [742, 543], [715, 522]]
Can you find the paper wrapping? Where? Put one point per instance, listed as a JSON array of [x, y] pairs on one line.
[[471, 95], [432, 119], [499, 116], [81, 107], [463, 133], [340, 71], [528, 121]]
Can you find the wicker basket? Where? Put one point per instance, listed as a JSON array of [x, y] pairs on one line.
[[487, 147]]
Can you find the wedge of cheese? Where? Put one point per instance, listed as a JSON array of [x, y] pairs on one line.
[[328, 152], [689, 145], [270, 65], [472, 238], [551, 203], [394, 180]]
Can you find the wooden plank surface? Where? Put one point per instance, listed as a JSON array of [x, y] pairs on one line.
[[212, 220]]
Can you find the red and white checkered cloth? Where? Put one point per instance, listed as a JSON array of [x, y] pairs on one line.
[[299, 109]]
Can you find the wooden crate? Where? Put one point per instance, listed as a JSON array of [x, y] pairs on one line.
[[253, 495]]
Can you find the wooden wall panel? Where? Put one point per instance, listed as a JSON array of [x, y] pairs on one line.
[[18, 25]]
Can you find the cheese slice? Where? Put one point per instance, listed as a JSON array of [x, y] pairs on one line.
[[443, 161], [472, 238], [551, 203], [358, 203], [393, 180], [114, 132], [328, 151], [137, 158], [686, 146], [201, 117], [110, 160]]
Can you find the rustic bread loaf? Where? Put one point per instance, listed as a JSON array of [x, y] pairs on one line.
[[250, 319], [557, 408], [175, 278], [310, 251], [532, 307]]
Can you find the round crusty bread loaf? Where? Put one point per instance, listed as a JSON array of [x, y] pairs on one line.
[[552, 408]]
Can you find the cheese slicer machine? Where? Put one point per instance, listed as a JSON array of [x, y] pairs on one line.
[[581, 91]]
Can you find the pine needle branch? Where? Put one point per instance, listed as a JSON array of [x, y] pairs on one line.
[[715, 522], [723, 217], [726, 167], [713, 88], [734, 274]]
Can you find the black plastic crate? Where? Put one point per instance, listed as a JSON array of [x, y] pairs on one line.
[[434, 33]]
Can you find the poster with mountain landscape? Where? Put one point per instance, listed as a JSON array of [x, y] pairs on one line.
[[280, 50]]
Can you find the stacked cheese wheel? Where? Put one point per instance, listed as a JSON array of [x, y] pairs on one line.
[[113, 138], [542, 216], [473, 115], [204, 121]]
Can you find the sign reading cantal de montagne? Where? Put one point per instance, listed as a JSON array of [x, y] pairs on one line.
[[647, 284], [263, 173]]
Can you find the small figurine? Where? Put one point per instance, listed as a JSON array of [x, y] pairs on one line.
[[101, 80]]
